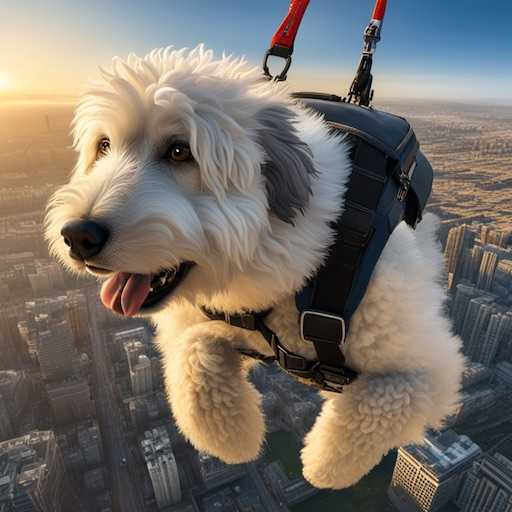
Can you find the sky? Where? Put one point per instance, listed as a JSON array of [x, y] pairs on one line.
[[431, 49]]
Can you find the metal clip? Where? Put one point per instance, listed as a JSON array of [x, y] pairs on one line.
[[405, 182]]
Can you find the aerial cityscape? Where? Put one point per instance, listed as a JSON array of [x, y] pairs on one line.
[[84, 420]]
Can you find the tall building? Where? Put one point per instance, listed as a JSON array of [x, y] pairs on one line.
[[89, 440], [502, 284], [55, 350], [162, 468], [488, 486], [476, 321], [499, 327], [426, 477], [459, 242], [141, 376], [12, 346], [133, 349], [77, 314], [70, 400], [463, 294], [15, 391], [487, 269], [32, 475], [6, 427]]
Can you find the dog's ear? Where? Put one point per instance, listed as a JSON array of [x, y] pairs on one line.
[[288, 166]]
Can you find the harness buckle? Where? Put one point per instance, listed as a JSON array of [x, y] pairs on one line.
[[330, 378], [405, 181], [320, 326]]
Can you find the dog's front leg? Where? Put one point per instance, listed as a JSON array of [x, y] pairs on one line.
[[358, 427], [213, 403]]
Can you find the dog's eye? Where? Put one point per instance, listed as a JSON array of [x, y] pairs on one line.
[[103, 147], [179, 152]]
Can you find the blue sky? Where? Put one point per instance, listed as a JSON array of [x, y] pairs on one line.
[[456, 49]]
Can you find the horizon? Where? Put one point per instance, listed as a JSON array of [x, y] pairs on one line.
[[452, 52]]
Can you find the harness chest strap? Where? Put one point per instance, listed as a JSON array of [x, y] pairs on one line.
[[323, 376]]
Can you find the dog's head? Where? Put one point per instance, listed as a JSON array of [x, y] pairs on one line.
[[184, 161]]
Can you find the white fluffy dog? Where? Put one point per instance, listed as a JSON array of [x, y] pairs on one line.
[[199, 183]]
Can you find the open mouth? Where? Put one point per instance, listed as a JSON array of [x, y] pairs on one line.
[[127, 293]]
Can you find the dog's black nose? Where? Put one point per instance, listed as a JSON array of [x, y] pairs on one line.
[[85, 238]]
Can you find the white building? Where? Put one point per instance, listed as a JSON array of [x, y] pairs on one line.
[[141, 376], [426, 477], [162, 467]]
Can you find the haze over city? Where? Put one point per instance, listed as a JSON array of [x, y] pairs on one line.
[[84, 421]]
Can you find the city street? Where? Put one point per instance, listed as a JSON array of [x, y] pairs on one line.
[[126, 490]]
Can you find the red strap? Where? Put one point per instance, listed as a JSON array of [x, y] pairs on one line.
[[380, 10], [285, 34]]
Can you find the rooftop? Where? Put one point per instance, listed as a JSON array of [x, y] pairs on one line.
[[442, 452]]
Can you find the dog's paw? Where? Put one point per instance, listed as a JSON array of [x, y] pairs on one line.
[[328, 466], [231, 427], [214, 405]]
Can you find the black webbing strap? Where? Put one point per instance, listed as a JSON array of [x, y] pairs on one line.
[[321, 376], [324, 318]]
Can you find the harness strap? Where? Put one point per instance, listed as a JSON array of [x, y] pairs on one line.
[[282, 43], [321, 375]]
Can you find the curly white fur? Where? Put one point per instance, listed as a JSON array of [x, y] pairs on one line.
[[253, 212]]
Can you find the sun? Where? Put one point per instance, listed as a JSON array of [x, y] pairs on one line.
[[4, 82]]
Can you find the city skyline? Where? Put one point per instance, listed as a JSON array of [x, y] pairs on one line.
[[90, 383], [453, 50]]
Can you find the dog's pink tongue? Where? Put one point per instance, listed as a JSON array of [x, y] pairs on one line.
[[135, 292], [125, 293]]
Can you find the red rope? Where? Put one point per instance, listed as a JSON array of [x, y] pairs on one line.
[[285, 34], [379, 10]]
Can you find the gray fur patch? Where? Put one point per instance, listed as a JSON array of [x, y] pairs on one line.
[[289, 166]]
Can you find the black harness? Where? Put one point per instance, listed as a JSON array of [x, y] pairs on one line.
[[391, 181]]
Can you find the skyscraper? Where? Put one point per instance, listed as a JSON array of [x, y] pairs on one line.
[[162, 467], [487, 269], [33, 477], [476, 321], [77, 314], [463, 294], [15, 391], [459, 242], [487, 486], [55, 350], [141, 375], [426, 477], [70, 400], [12, 346], [499, 327]]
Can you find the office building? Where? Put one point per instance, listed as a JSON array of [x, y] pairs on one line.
[[487, 268], [55, 350], [162, 468], [427, 476], [476, 321], [32, 475], [498, 329], [141, 377], [89, 440], [463, 294], [70, 400], [15, 392], [77, 314], [459, 242], [487, 486]]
